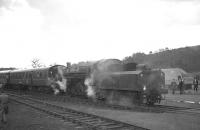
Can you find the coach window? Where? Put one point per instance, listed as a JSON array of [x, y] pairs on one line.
[[40, 74], [35, 74], [44, 74]]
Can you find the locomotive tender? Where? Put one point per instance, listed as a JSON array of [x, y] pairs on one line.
[[40, 78]]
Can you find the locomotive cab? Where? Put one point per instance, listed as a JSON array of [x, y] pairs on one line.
[[133, 86]]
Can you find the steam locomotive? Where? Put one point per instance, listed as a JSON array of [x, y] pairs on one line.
[[116, 83], [108, 80]]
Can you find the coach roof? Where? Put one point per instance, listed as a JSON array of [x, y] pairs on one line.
[[36, 69]]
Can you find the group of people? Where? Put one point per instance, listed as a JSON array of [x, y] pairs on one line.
[[181, 85]]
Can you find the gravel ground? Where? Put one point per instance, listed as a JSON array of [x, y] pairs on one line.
[[21, 117], [25, 118], [188, 99], [154, 121], [195, 98]]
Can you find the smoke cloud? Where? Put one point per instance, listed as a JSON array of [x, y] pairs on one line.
[[59, 82], [90, 90], [99, 74], [63, 83]]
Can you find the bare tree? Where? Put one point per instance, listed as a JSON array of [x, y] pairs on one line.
[[36, 63]]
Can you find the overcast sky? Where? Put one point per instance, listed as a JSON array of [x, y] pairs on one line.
[[60, 31]]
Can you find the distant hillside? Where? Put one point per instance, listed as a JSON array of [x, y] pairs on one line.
[[187, 58]]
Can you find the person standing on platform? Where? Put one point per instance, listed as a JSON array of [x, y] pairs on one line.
[[3, 106], [180, 84], [195, 83], [173, 86]]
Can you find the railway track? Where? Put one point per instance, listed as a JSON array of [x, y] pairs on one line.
[[83, 120], [81, 101], [141, 108]]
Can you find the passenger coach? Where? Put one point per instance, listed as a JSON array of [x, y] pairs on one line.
[[40, 78]]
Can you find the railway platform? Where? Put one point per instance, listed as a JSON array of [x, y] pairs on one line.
[[188, 99]]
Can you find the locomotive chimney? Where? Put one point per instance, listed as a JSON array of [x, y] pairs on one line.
[[68, 66]]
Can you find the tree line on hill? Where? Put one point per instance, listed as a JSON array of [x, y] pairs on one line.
[[187, 58]]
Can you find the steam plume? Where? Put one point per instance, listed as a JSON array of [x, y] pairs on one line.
[[59, 82]]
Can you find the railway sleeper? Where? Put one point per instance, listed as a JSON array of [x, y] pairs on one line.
[[106, 123], [95, 123], [81, 122], [75, 116], [98, 121], [115, 126], [92, 121], [87, 118]]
